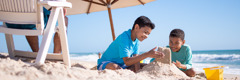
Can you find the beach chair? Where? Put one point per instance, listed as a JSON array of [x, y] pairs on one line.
[[31, 12]]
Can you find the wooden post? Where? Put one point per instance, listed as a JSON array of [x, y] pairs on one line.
[[111, 21]]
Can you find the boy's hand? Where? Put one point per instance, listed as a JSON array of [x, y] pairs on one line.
[[155, 54], [178, 64]]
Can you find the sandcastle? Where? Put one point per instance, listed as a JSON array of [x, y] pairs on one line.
[[163, 68], [167, 57]]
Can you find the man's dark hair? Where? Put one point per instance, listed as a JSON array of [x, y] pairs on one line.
[[177, 33], [143, 21]]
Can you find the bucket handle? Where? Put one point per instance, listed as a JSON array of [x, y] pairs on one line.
[[214, 68]]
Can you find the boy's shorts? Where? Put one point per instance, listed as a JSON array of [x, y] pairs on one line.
[[46, 14], [103, 65]]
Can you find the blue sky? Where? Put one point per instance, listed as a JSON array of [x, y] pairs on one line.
[[208, 25]]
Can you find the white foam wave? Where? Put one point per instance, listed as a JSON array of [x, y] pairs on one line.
[[90, 57], [204, 57]]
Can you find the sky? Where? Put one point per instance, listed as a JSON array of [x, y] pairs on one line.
[[208, 25]]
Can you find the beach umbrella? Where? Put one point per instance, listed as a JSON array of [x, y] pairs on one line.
[[88, 6]]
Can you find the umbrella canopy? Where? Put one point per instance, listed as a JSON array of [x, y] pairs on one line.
[[88, 6]]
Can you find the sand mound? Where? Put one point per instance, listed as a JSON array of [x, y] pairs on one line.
[[163, 71], [22, 69], [162, 68]]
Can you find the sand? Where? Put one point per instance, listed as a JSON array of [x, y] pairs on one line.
[[163, 71], [23, 69]]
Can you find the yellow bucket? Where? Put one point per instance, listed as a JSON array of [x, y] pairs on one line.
[[144, 61], [214, 73], [141, 61]]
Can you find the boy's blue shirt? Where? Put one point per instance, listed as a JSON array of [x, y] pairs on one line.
[[122, 47], [184, 55]]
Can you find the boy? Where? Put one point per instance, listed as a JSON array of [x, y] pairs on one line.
[[181, 53], [123, 52]]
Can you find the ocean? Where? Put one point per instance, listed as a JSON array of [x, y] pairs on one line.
[[201, 59]]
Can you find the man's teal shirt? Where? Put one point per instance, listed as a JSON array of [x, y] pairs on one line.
[[46, 14], [184, 55], [122, 47]]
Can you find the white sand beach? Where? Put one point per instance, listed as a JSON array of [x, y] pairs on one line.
[[22, 69]]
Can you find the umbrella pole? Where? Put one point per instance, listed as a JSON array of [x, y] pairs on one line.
[[111, 22]]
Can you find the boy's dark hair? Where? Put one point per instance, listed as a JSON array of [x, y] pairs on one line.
[[177, 33], [143, 21]]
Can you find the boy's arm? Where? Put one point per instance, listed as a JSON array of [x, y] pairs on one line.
[[133, 60], [179, 65], [189, 58], [188, 63], [137, 65]]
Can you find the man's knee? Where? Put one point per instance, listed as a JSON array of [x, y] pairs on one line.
[[33, 42]]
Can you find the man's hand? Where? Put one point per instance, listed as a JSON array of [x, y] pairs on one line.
[[155, 54]]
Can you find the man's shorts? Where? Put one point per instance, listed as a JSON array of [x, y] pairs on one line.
[[46, 14], [103, 65]]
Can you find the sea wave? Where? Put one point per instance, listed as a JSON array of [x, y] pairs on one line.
[[195, 57], [89, 57], [216, 57]]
